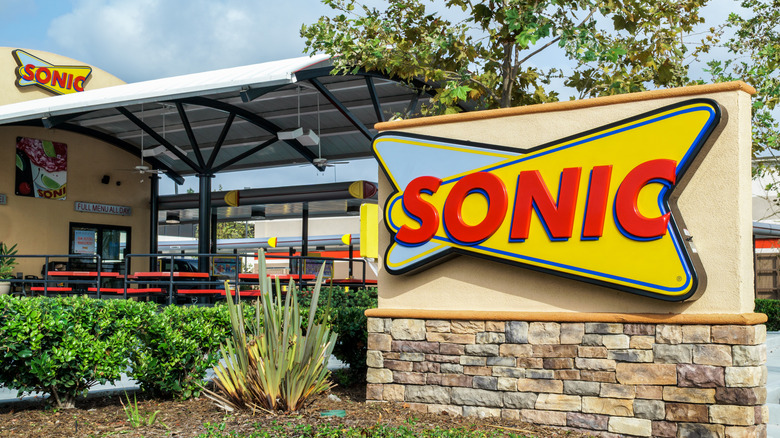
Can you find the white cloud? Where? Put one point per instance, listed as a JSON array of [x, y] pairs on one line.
[[146, 39]]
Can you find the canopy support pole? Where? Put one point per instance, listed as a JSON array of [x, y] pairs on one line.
[[305, 230], [204, 221], [213, 245], [154, 212]]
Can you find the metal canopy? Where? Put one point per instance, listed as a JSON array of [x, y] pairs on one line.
[[230, 119], [288, 210], [324, 200]]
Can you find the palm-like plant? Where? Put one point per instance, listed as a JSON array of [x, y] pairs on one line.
[[273, 364], [7, 263]]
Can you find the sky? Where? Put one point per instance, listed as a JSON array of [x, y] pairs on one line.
[[162, 38]]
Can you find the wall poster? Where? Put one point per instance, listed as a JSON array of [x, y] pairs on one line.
[[41, 168], [84, 242]]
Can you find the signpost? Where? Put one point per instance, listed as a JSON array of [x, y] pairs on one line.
[[571, 207], [511, 236]]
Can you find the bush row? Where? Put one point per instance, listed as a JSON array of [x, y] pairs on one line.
[[772, 310], [348, 321], [64, 346]]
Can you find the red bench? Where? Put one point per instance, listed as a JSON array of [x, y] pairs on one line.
[[244, 293], [51, 289], [200, 291], [120, 290]]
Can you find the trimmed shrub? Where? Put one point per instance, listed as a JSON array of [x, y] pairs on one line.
[[175, 348], [64, 346], [772, 310]]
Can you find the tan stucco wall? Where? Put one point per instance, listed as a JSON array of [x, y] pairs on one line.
[[40, 226], [9, 93], [715, 205]]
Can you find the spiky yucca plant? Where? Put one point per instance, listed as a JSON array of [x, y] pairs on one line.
[[277, 366]]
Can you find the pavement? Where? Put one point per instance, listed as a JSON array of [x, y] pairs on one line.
[[773, 384]]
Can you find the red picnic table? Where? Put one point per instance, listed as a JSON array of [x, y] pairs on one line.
[[285, 277], [80, 276], [176, 274], [176, 280]]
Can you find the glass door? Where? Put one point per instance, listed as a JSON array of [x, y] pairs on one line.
[[111, 242]]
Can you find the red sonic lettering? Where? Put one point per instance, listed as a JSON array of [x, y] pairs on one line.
[[533, 195]]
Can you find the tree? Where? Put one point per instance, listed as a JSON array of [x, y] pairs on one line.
[[488, 55], [755, 50], [231, 230], [235, 230]]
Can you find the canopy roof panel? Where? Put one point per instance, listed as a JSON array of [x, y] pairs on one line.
[[196, 84], [233, 118]]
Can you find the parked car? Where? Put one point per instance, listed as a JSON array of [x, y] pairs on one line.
[[179, 265]]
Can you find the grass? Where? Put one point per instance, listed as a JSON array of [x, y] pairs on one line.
[[134, 417], [339, 431]]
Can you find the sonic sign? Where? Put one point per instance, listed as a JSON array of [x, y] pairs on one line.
[[597, 206], [56, 79]]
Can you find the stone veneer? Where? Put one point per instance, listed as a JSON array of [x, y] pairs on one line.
[[660, 380]]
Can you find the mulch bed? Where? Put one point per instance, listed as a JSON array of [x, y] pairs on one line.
[[105, 416]]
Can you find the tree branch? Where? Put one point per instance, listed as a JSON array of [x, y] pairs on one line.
[[489, 90], [556, 39]]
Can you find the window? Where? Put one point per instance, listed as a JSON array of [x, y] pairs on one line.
[[111, 242]]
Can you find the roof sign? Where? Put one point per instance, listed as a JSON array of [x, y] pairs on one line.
[[56, 79]]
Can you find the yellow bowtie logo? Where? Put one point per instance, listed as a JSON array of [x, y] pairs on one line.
[[593, 207], [57, 79]]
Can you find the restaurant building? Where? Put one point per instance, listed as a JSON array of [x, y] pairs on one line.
[[84, 151], [70, 208]]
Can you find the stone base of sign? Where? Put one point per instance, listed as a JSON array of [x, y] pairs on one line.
[[637, 379]]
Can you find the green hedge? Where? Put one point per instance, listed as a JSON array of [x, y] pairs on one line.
[[64, 346], [772, 310], [175, 348], [348, 321]]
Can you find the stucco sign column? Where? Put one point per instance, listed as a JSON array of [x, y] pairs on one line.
[[584, 264]]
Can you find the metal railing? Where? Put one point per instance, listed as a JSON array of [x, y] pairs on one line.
[[47, 279], [171, 262], [171, 283]]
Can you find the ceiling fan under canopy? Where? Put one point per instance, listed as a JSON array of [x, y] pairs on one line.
[[142, 168], [320, 162]]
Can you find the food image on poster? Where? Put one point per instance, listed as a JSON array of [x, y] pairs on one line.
[[41, 168]]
